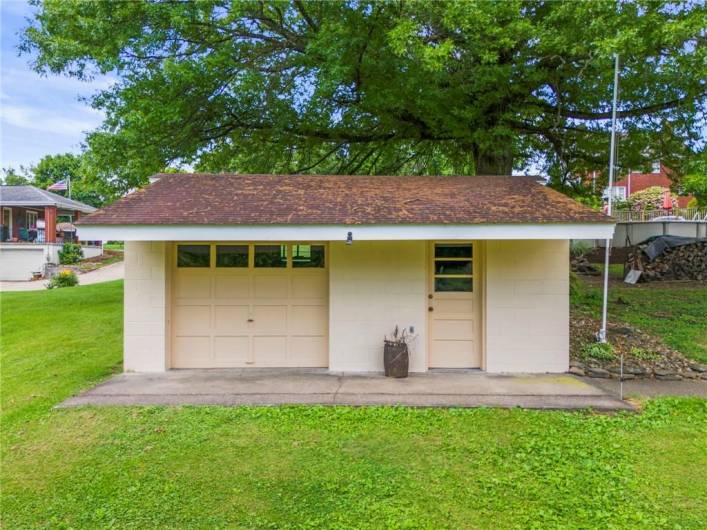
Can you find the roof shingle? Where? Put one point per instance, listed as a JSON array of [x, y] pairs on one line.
[[228, 199]]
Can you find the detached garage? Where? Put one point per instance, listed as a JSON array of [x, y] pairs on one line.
[[312, 271]]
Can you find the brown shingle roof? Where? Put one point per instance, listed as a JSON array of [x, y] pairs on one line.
[[198, 198]]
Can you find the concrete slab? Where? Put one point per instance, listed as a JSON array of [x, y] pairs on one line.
[[295, 386], [652, 387]]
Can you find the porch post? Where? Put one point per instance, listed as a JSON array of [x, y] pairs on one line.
[[50, 224]]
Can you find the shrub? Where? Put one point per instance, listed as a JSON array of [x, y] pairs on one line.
[[579, 248], [70, 253], [644, 355], [602, 351], [65, 278], [650, 199]]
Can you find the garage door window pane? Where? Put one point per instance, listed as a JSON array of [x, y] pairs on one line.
[[193, 256], [232, 255], [270, 256], [308, 256]]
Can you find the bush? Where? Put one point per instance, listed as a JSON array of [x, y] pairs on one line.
[[65, 278], [70, 253], [645, 355], [602, 351], [579, 248], [650, 199]]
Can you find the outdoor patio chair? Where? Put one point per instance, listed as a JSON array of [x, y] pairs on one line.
[[24, 234]]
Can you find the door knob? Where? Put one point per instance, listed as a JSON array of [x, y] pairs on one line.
[[430, 308], [250, 320]]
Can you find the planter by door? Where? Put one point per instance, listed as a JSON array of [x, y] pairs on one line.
[[396, 359]]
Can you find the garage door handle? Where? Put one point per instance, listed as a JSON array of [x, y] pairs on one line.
[[251, 320]]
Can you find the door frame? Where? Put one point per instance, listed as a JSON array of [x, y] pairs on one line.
[[171, 257], [479, 293]]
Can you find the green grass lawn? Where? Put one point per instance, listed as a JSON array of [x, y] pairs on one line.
[[114, 245], [676, 312], [315, 467]]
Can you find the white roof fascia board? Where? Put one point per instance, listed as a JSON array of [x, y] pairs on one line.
[[340, 232]]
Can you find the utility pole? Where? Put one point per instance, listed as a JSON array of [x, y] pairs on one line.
[[601, 336]]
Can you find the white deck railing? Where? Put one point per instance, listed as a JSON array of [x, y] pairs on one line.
[[688, 214]]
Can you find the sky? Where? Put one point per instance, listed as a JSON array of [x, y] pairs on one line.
[[39, 115]]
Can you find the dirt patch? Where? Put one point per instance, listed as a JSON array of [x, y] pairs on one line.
[[91, 264], [644, 355], [115, 255], [597, 281], [617, 255]]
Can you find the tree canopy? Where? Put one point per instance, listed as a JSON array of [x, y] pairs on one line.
[[381, 87], [86, 184]]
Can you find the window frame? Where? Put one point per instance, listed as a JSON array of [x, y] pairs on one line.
[[233, 244], [309, 244], [251, 254], [211, 248], [31, 214], [435, 260]]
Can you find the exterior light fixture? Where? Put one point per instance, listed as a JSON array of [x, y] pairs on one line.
[[349, 238]]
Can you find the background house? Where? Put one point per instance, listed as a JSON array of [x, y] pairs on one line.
[[32, 231], [636, 181]]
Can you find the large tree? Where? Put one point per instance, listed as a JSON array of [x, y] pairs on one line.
[[381, 87]]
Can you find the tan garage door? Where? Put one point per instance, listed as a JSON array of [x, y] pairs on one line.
[[249, 305]]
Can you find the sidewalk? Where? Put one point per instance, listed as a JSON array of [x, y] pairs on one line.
[[652, 387], [116, 271]]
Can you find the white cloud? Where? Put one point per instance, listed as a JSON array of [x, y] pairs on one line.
[[57, 122]]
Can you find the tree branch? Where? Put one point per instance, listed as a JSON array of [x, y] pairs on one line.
[[594, 116]]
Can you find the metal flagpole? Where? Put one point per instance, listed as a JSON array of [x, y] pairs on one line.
[[601, 336]]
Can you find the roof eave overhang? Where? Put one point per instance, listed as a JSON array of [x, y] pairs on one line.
[[43, 204], [339, 232]]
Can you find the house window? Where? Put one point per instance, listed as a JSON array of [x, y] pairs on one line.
[[617, 193], [270, 256], [193, 256], [453, 267], [308, 256], [231, 255], [656, 167], [31, 219]]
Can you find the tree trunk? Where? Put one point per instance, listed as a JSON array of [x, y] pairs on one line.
[[497, 162]]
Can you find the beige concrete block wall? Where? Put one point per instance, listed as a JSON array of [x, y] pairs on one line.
[[146, 307], [374, 285], [527, 306]]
